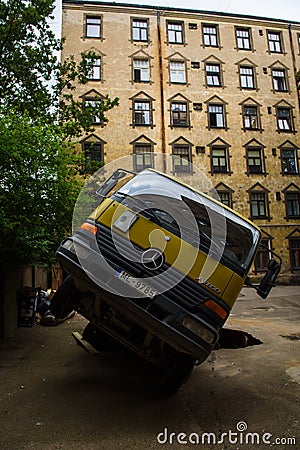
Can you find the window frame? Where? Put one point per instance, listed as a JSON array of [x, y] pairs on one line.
[[210, 36], [136, 112], [173, 80], [261, 158], [139, 30], [213, 123], [185, 155], [214, 74], [141, 154], [276, 82], [294, 253], [264, 253], [141, 71], [175, 36], [100, 151], [225, 158], [292, 206], [248, 117], [282, 121], [263, 200], [95, 66], [296, 161], [180, 123], [98, 26], [88, 100], [275, 45], [244, 77], [241, 40]]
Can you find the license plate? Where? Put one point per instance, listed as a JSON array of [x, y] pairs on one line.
[[136, 283]]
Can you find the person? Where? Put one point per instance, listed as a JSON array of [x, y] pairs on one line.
[[46, 317]]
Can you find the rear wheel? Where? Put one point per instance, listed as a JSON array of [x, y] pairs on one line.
[[64, 300]]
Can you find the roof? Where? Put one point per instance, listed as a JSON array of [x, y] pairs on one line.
[[175, 9]]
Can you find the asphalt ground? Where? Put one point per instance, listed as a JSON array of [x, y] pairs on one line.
[[54, 395]]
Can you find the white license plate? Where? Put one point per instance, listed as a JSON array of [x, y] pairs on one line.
[[136, 283]]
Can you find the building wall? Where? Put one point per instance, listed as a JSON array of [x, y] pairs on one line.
[[117, 50]]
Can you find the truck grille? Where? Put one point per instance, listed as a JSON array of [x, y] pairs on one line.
[[186, 292]]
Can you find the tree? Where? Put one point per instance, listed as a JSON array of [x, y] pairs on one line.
[[38, 123], [27, 54], [38, 189]]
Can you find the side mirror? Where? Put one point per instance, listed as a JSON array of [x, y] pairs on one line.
[[268, 280]]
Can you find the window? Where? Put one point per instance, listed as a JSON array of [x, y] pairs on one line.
[[179, 114], [213, 75], [95, 72], [219, 160], [258, 205], [284, 119], [274, 40], [142, 112], [93, 151], [210, 35], [255, 160], [175, 32], [139, 30], [250, 117], [91, 103], [216, 116], [181, 158], [93, 27], [247, 77], [294, 245], [292, 204], [243, 38], [263, 255], [279, 80], [225, 198], [143, 156], [141, 70], [177, 72], [289, 161]]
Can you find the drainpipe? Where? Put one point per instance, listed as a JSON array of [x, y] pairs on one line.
[[161, 86]]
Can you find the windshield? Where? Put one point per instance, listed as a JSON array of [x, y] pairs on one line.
[[193, 217]]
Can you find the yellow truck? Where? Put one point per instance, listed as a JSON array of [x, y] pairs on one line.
[[156, 268]]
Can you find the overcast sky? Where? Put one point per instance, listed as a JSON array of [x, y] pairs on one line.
[[275, 9]]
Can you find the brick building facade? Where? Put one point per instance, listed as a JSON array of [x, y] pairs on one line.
[[214, 90]]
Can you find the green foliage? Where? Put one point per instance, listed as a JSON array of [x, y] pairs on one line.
[[33, 80], [38, 189], [27, 54], [39, 119]]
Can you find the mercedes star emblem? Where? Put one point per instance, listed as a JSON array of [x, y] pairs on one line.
[[152, 259]]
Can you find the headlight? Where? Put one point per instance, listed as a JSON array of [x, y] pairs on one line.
[[81, 251], [198, 329]]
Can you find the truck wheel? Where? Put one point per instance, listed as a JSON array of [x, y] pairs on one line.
[[176, 375], [64, 299]]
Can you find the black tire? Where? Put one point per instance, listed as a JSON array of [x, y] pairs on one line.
[[176, 375], [64, 300]]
